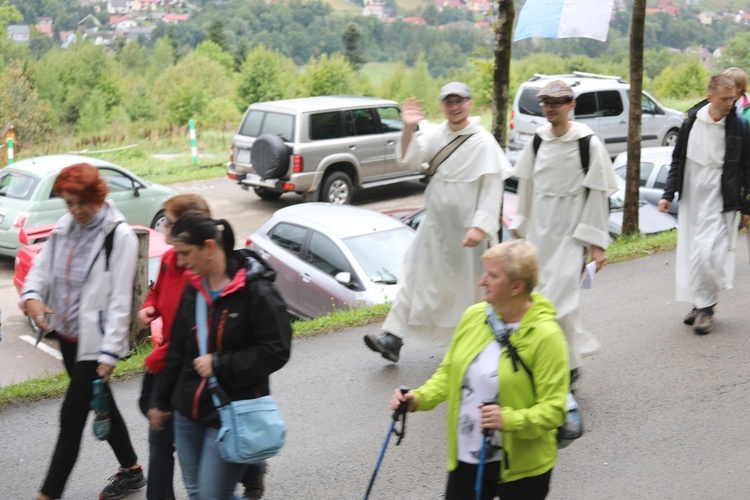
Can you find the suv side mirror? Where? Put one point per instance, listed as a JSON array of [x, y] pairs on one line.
[[344, 278]]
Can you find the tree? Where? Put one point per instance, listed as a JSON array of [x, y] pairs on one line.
[[326, 76], [351, 37], [501, 78], [9, 14], [240, 54], [632, 196], [211, 50], [265, 76], [216, 34], [21, 105], [737, 52]]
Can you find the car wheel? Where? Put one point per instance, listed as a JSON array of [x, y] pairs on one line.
[[159, 221], [270, 157], [337, 189], [265, 194], [671, 138]]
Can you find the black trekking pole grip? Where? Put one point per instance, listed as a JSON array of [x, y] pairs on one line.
[[403, 407], [488, 432]]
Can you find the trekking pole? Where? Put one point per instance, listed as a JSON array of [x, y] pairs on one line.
[[399, 413], [487, 434]]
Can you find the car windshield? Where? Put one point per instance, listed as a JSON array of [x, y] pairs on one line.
[[17, 185], [617, 200], [381, 253]]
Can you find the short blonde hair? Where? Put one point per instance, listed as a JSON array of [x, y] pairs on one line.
[[738, 75], [520, 261]]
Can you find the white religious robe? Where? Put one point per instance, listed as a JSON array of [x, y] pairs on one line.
[[440, 277], [564, 213], [706, 235]]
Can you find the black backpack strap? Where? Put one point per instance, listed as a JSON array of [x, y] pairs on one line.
[[108, 243], [583, 149], [537, 143]]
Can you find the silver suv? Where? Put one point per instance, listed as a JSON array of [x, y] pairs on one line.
[[602, 103], [319, 147]]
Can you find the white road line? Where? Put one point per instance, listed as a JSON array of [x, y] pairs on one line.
[[43, 347]]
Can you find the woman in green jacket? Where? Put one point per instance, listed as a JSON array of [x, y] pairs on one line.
[[527, 406]]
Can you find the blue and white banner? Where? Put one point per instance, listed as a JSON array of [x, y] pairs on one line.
[[564, 19]]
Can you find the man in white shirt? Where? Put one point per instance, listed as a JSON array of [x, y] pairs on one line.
[[711, 171]]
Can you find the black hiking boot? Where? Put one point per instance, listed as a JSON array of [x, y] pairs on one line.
[[387, 344]]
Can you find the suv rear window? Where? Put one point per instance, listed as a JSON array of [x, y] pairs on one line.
[[528, 104], [258, 122]]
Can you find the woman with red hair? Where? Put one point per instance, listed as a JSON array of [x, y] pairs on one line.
[[81, 287]]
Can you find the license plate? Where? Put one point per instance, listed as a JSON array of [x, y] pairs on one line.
[[243, 156]]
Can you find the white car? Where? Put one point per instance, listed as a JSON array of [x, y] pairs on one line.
[[655, 165], [602, 103], [328, 256]]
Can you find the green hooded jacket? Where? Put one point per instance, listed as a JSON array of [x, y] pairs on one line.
[[530, 418]]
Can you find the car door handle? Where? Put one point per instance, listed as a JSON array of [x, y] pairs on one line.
[[264, 254], [352, 147], [391, 143], [623, 122], [306, 278]]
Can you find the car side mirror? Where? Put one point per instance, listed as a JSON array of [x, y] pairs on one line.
[[344, 278]]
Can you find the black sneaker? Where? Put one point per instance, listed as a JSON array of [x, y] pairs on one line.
[[387, 344], [125, 481], [254, 483]]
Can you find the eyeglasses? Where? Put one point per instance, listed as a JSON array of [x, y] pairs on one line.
[[455, 102], [553, 104]]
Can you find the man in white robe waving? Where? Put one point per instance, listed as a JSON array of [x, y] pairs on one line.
[[563, 208], [443, 265], [711, 172]]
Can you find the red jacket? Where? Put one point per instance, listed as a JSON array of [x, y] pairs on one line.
[[165, 297]]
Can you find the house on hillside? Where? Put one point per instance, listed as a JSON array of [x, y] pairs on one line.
[[706, 18], [480, 6], [175, 18], [145, 5], [702, 53], [119, 6], [415, 20], [743, 17], [669, 7], [44, 26], [89, 23], [138, 31], [122, 23], [19, 33], [374, 9]]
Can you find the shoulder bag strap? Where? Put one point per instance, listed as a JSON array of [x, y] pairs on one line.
[[201, 324], [444, 153]]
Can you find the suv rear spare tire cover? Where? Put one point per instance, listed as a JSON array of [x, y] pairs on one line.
[[270, 157]]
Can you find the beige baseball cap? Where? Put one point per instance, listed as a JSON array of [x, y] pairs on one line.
[[556, 89]]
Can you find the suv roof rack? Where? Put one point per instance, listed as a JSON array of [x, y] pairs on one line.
[[596, 75]]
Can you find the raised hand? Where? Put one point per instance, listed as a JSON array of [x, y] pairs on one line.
[[412, 113]]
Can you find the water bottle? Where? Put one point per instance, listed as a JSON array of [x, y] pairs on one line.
[[100, 406], [572, 428]]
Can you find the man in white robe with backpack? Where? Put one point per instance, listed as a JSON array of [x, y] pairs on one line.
[[565, 179]]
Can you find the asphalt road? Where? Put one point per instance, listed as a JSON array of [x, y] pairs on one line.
[[244, 210], [664, 410]]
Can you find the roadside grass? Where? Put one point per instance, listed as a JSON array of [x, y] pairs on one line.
[[50, 386], [164, 159]]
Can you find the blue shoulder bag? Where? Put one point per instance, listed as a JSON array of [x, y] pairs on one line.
[[251, 429]]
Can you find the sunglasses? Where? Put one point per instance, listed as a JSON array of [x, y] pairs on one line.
[[554, 104]]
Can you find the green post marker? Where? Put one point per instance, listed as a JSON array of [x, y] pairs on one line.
[[193, 143], [10, 151]]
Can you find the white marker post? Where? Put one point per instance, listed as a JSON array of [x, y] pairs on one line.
[[10, 151], [193, 143]]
